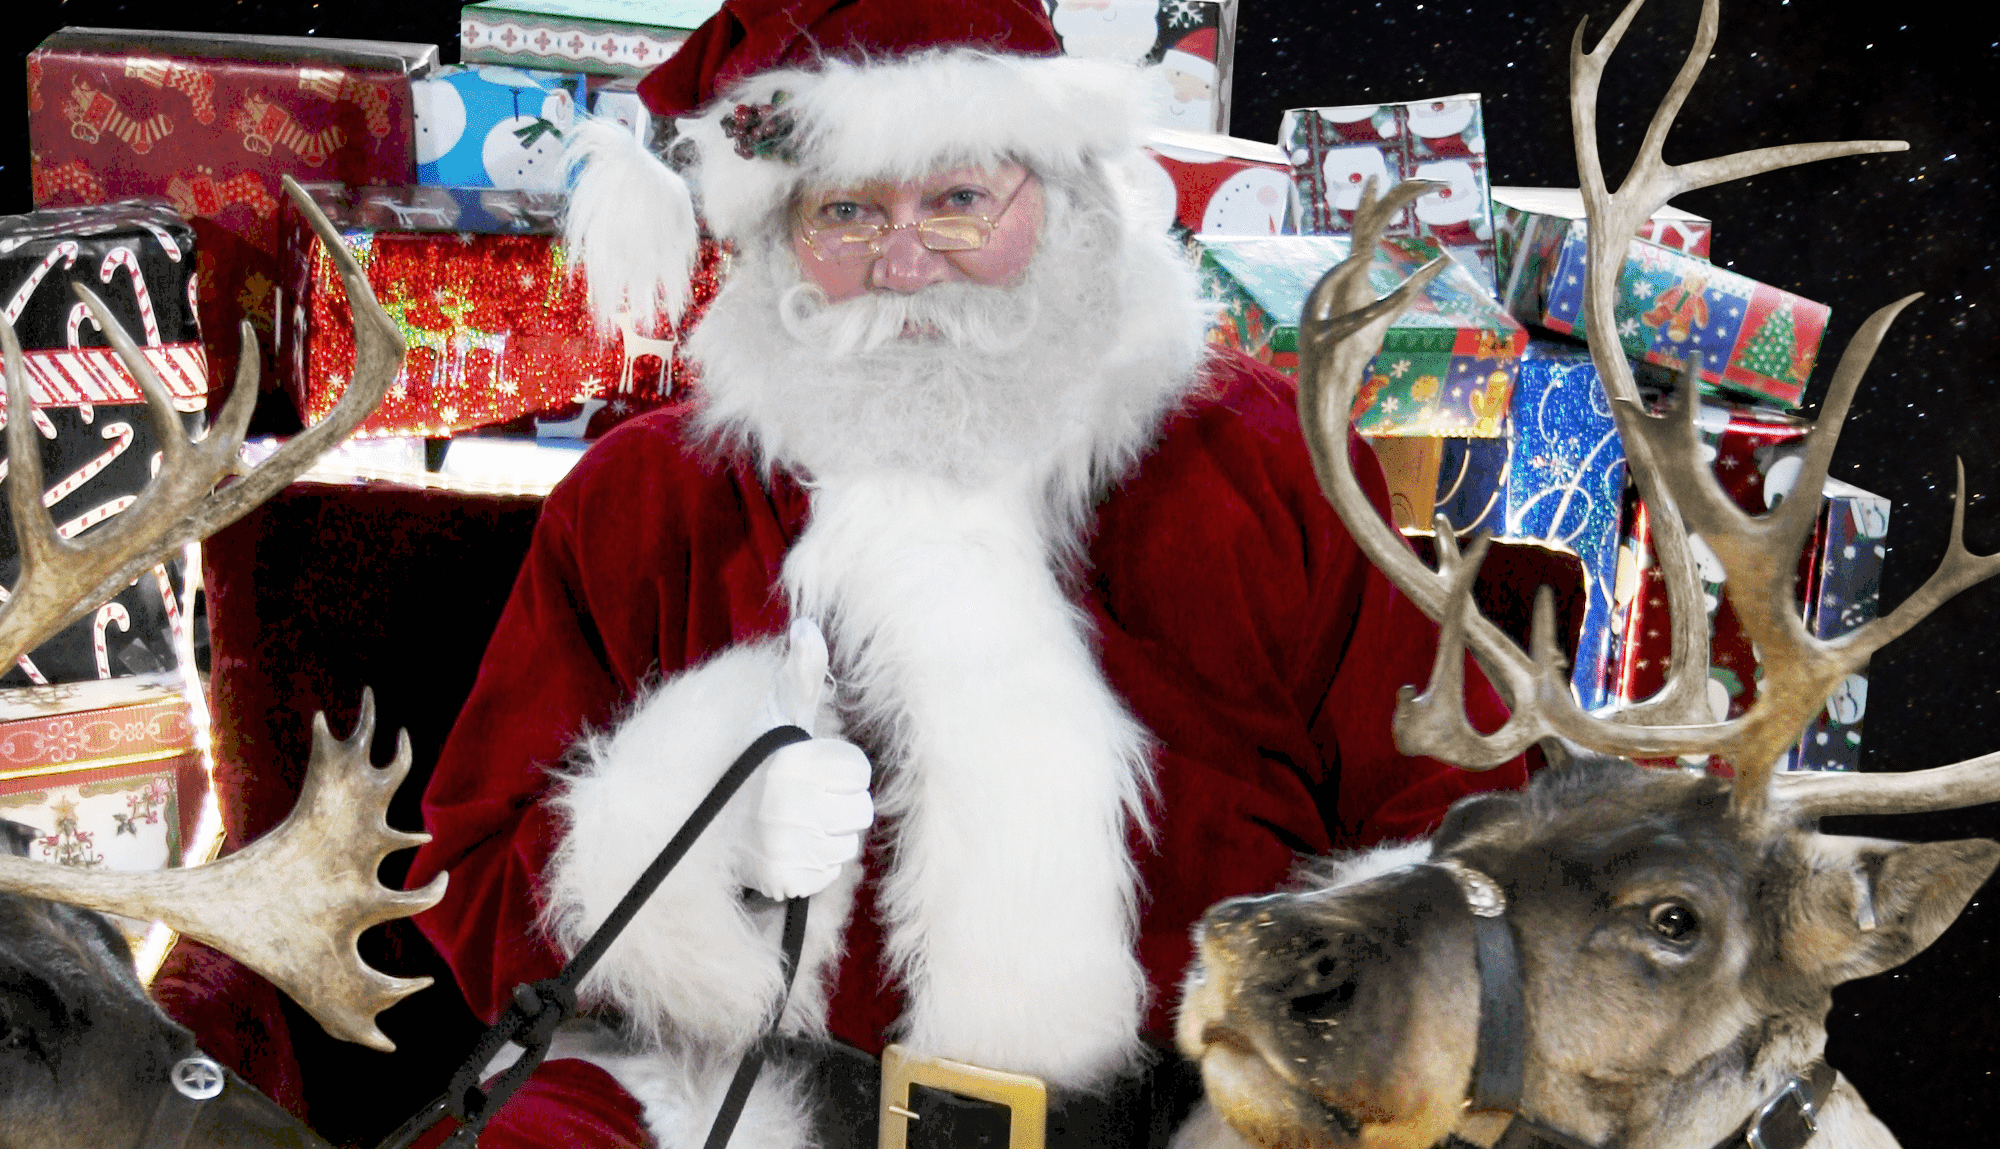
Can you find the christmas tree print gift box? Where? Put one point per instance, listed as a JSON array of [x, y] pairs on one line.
[[98, 442], [496, 328], [1753, 339], [1447, 365], [600, 37], [1555, 478], [1531, 225], [1335, 152], [1755, 454], [493, 126], [212, 122]]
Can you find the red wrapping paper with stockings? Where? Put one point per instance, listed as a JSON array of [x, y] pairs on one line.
[[212, 122]]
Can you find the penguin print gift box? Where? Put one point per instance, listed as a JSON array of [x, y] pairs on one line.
[[493, 126], [1335, 151]]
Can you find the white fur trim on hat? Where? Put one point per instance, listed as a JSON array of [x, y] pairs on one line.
[[906, 118], [629, 225]]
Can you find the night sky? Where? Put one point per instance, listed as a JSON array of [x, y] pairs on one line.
[[1922, 1043]]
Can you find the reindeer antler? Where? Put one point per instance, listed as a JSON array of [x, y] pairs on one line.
[[321, 860], [1759, 553], [61, 579]]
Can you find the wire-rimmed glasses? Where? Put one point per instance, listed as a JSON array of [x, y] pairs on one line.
[[853, 242]]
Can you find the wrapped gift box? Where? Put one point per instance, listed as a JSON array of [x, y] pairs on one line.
[[601, 37], [1446, 367], [1531, 224], [1555, 479], [494, 126], [212, 122], [97, 439], [1756, 459], [1226, 186], [109, 775], [1335, 151], [497, 330], [1187, 46], [1841, 591], [1754, 339]]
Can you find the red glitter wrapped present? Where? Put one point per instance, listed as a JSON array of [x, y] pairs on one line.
[[1756, 455], [211, 122], [496, 328]]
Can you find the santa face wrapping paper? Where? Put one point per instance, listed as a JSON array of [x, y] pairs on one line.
[[98, 442], [494, 126], [601, 37], [1447, 365], [496, 328], [1187, 48], [1225, 186], [212, 122], [1756, 456], [1334, 153]]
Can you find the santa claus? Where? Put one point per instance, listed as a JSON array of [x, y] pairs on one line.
[[1080, 644]]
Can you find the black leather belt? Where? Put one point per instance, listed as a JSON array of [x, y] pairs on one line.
[[1138, 1111]]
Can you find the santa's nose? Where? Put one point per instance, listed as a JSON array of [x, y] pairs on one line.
[[905, 264]]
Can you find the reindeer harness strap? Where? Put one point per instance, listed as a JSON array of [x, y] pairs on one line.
[[1786, 1120]]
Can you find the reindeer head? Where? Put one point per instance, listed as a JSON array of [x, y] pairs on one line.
[[1614, 955]]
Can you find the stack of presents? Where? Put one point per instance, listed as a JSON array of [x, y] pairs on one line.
[[157, 166]]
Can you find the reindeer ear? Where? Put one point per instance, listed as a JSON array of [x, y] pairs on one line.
[[1867, 905]]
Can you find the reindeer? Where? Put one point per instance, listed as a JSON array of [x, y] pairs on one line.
[[1616, 956], [86, 1058]]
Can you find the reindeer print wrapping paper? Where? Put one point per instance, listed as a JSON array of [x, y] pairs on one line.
[[1447, 366], [98, 444], [212, 122], [497, 331]]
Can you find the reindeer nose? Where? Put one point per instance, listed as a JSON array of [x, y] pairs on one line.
[[1276, 946]]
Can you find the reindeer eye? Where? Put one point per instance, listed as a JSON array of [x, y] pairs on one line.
[[1674, 921]]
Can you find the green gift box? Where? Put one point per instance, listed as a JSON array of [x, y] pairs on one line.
[[1447, 366], [599, 37]]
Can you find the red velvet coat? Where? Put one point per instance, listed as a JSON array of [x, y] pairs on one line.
[[1234, 615]]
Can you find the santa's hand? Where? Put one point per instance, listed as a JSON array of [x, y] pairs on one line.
[[810, 798]]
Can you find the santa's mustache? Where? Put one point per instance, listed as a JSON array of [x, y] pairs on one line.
[[964, 316]]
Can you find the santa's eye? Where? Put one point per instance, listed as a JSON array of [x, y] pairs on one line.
[[1674, 921], [961, 199]]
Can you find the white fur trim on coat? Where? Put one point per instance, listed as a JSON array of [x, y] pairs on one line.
[[905, 118], [696, 965], [1013, 774]]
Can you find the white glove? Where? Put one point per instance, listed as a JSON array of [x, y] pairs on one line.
[[810, 798]]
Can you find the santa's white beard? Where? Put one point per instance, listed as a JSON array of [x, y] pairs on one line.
[[1066, 373]]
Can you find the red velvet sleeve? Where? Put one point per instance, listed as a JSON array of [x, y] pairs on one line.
[[645, 561], [1262, 649]]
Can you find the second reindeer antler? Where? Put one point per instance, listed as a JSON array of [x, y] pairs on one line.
[[1342, 328]]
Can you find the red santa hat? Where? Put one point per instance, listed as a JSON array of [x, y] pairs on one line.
[[786, 94]]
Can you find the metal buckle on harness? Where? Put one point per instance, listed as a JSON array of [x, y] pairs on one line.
[[1799, 1093], [1026, 1098]]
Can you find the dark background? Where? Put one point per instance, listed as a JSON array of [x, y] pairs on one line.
[[1922, 1043]]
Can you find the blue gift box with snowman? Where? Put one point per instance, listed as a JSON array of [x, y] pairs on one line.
[[490, 126]]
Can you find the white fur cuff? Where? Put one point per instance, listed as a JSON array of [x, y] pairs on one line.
[[696, 964]]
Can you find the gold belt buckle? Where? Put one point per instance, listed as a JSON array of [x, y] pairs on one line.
[[1026, 1098]]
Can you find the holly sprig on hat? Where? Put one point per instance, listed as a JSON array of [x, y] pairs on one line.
[[762, 130]]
